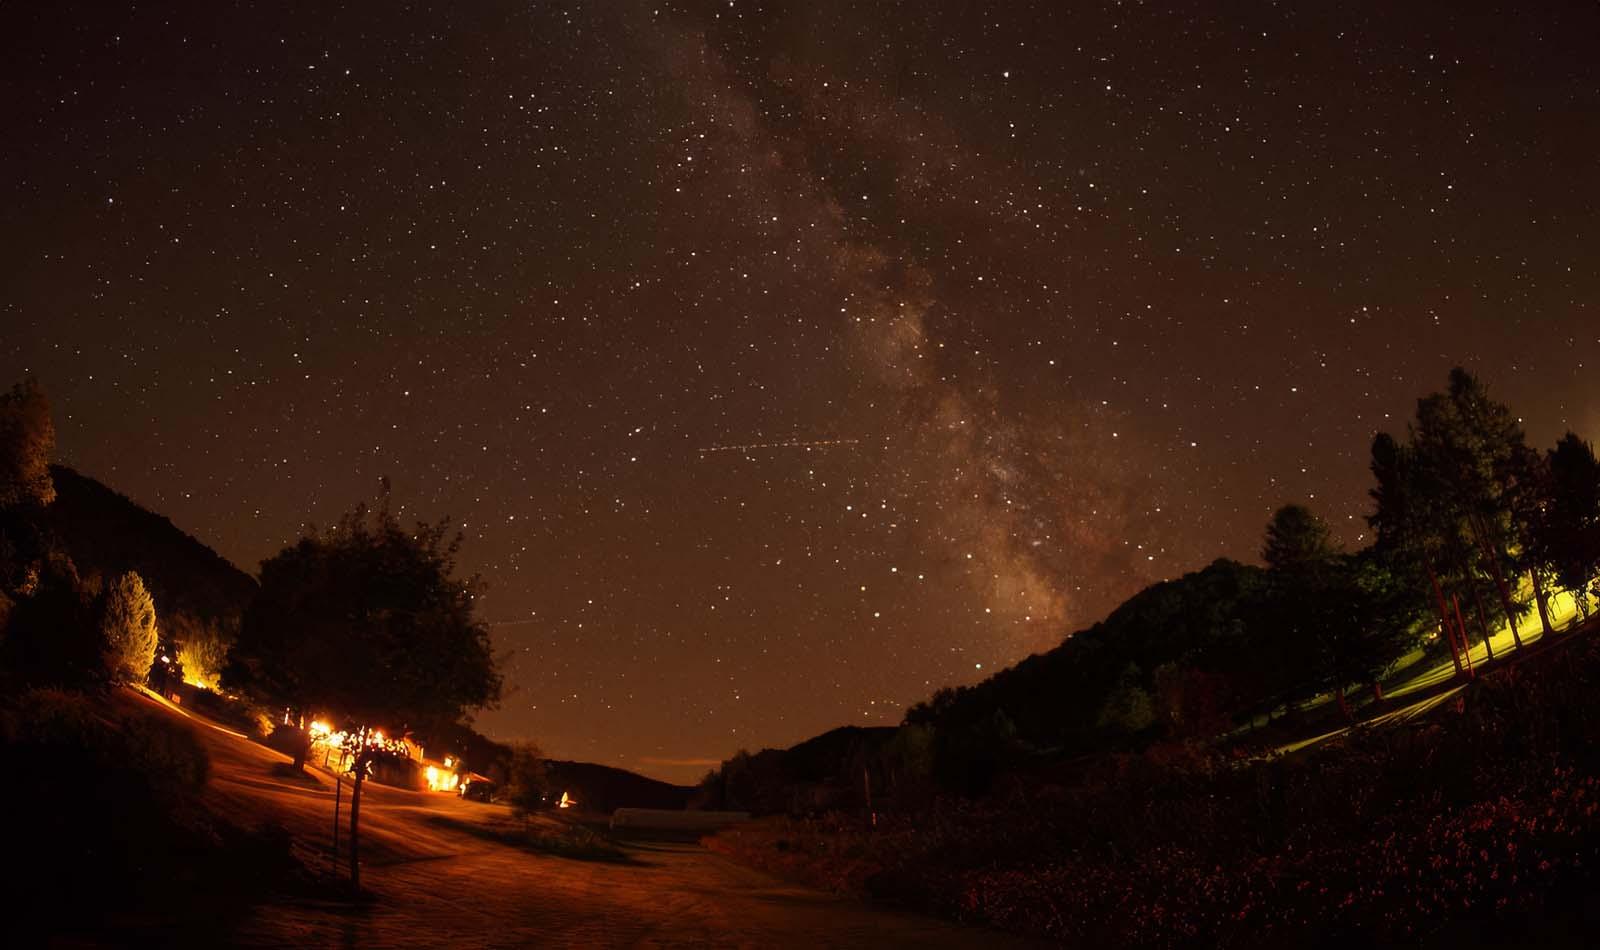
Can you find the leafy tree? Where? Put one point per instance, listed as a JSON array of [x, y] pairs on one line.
[[54, 634], [27, 440], [1570, 531], [1420, 537], [1384, 611], [367, 623], [1297, 540], [1347, 617], [1471, 444], [1530, 501], [1129, 709], [202, 645], [129, 624], [528, 781], [1302, 567]]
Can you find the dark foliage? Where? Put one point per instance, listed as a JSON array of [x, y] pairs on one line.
[[832, 770], [368, 623], [1206, 621], [52, 633], [1570, 524]]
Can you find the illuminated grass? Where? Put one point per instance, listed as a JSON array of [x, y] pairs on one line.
[[1563, 617]]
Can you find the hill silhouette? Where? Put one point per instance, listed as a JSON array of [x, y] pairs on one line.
[[108, 533]]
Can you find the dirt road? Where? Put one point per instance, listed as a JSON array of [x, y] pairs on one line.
[[439, 885]]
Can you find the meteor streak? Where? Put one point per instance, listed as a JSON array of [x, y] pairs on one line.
[[790, 444]]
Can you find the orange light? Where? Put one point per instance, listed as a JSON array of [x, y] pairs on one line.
[[439, 781]]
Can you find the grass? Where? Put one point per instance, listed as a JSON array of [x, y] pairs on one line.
[[542, 835], [1406, 679]]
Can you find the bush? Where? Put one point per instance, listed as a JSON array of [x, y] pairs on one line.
[[53, 635], [529, 785]]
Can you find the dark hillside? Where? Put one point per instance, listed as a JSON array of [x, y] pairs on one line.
[[601, 788], [1104, 680], [828, 756], [108, 533]]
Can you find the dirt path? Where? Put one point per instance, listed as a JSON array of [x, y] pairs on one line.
[[437, 885]]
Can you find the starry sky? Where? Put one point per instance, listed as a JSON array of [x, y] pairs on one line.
[[786, 361]]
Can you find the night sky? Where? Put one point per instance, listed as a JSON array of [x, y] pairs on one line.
[[786, 362]]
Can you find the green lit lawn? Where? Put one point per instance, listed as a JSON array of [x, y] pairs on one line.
[[1407, 678], [1563, 613]]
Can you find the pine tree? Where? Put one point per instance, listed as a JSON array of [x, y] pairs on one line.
[[128, 622]]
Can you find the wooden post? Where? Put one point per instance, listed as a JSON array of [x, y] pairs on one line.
[[355, 810], [338, 787], [1462, 627], [1444, 619], [866, 782]]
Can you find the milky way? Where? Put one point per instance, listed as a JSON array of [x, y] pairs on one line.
[[785, 362]]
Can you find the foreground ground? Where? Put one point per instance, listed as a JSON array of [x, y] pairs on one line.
[[438, 881]]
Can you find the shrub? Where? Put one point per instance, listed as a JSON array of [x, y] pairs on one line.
[[53, 635], [529, 782]]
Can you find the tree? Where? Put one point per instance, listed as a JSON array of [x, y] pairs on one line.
[[1530, 501], [1301, 565], [128, 621], [1383, 611], [54, 635], [27, 441], [528, 781], [1297, 540], [1346, 617], [1129, 709], [1569, 533], [1406, 520], [1471, 444], [368, 624], [202, 645]]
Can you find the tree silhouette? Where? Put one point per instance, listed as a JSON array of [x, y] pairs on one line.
[[527, 779], [1471, 444], [1343, 618], [1302, 564], [366, 623], [1297, 540], [27, 440], [1570, 529]]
